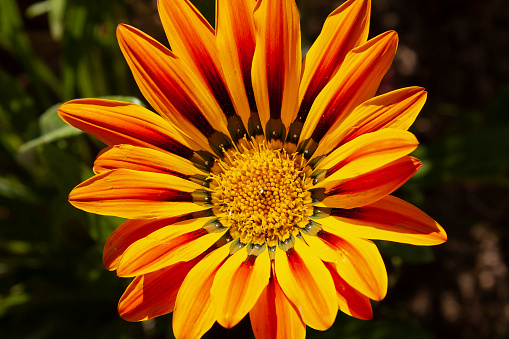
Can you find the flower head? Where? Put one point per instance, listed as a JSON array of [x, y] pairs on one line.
[[257, 187]]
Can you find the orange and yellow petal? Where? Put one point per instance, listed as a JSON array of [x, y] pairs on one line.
[[357, 80], [308, 284], [117, 122], [147, 160], [136, 195], [171, 87], [345, 28], [350, 301], [193, 40], [366, 153], [194, 312], [235, 39], [359, 262], [131, 231], [154, 294], [237, 286], [397, 109], [274, 316], [390, 219], [276, 70], [367, 188], [181, 241]]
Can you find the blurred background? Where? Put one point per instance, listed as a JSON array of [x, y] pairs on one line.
[[52, 282]]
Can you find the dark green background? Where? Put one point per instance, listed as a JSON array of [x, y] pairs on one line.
[[52, 282]]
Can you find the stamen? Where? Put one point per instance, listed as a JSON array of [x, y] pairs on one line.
[[262, 195]]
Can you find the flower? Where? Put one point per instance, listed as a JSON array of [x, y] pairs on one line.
[[257, 187]]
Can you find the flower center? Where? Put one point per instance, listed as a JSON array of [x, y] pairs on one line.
[[262, 193]]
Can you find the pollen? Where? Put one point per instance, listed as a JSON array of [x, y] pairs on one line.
[[262, 194]]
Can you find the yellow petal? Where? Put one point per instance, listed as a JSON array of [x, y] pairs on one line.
[[194, 313], [390, 219], [274, 317], [308, 284], [181, 241], [135, 195], [237, 286], [356, 80], [366, 153], [236, 43], [396, 109], [359, 263], [345, 28], [276, 69]]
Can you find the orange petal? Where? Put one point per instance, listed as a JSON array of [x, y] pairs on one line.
[[345, 28], [356, 80], [117, 122], [129, 232], [359, 262], [274, 317], [135, 195], [351, 301], [366, 153], [170, 86], [390, 219], [367, 188], [194, 312], [308, 284], [236, 43], [396, 109], [276, 69], [151, 295], [237, 286], [181, 241], [145, 159], [192, 40]]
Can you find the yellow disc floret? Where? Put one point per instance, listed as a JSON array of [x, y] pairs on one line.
[[262, 194]]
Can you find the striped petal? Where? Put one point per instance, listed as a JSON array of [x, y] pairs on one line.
[[308, 284], [359, 262], [145, 159], [237, 286], [390, 219], [129, 232], [154, 294], [181, 241], [274, 317], [367, 188], [345, 28], [356, 81], [170, 86], [236, 43], [276, 69], [194, 312], [396, 109], [117, 122], [193, 40], [366, 153], [351, 301], [136, 195]]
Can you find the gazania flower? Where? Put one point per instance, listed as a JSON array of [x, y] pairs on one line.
[[257, 186]]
